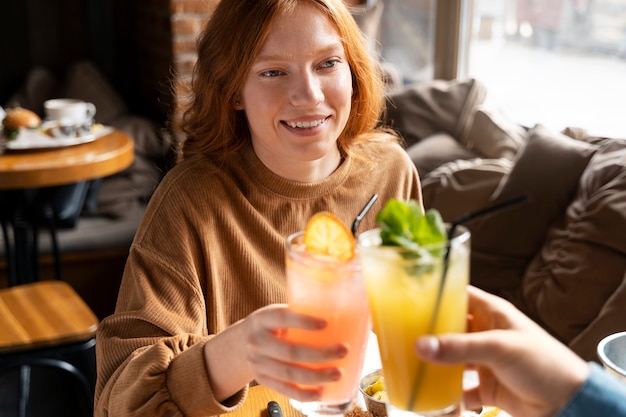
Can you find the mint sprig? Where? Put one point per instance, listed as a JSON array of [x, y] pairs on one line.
[[405, 224]]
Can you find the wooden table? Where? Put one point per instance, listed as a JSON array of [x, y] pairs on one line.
[[259, 396], [104, 156], [43, 314], [256, 404], [37, 169]]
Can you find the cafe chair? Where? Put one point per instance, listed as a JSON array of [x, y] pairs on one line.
[[57, 208], [25, 212], [47, 350], [34, 386]]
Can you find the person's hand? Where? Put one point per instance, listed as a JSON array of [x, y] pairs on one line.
[[255, 348], [522, 369], [285, 366]]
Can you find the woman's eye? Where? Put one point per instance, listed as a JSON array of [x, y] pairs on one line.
[[271, 73], [330, 63]]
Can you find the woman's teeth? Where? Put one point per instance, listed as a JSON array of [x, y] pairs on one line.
[[305, 125]]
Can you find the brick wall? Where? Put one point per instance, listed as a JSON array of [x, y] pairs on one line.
[[167, 31]]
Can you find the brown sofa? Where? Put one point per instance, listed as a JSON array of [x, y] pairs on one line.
[[561, 255]]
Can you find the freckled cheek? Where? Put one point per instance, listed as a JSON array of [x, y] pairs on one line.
[[340, 91], [266, 104]]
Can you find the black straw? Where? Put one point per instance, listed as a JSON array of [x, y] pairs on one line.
[[453, 226], [357, 220]]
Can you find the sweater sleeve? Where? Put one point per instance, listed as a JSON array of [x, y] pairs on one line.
[[150, 353], [601, 395]]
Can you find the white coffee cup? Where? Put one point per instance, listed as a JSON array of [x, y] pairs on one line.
[[612, 354], [69, 109]]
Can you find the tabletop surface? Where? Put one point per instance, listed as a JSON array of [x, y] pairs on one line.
[[106, 155], [259, 396], [256, 404], [43, 313]]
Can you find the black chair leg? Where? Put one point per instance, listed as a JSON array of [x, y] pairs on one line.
[[49, 215], [55, 249], [24, 394], [8, 254], [76, 399]]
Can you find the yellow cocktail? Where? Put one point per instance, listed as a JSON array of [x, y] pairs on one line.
[[403, 293], [333, 289]]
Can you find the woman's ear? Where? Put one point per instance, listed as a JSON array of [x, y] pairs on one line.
[[237, 104]]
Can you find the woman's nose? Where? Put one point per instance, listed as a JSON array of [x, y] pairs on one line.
[[306, 89]]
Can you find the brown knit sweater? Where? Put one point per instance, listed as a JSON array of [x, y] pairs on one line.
[[209, 251]]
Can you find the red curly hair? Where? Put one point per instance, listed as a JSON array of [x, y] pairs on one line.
[[227, 49]]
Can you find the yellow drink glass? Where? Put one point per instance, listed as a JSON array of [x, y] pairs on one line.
[[407, 301], [334, 290]]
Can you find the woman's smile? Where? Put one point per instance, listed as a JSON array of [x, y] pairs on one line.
[[305, 124]]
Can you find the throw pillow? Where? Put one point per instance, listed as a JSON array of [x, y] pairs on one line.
[[494, 136], [583, 259], [419, 110], [436, 150], [548, 171], [462, 186]]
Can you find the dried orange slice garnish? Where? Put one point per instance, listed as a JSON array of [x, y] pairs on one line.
[[325, 234], [490, 412]]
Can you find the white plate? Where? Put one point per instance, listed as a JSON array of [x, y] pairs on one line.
[[36, 139]]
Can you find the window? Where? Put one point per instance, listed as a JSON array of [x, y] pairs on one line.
[[407, 38], [555, 62]]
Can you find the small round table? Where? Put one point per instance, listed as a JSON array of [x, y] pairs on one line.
[[24, 170], [104, 156]]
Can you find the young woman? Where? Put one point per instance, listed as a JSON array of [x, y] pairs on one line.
[[280, 124]]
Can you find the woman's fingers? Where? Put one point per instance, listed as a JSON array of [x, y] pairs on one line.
[[296, 373], [297, 392], [268, 336], [275, 359]]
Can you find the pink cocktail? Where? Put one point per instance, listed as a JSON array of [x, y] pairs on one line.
[[325, 287]]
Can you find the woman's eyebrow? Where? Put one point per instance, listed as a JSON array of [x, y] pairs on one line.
[[330, 48]]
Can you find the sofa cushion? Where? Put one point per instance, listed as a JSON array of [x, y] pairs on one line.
[[494, 136], [583, 259], [462, 186], [548, 171], [96, 233], [419, 110], [436, 150]]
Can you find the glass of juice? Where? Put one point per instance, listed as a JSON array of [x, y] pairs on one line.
[[326, 287], [408, 299]]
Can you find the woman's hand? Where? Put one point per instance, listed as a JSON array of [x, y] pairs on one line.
[[282, 365], [522, 369], [263, 354]]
